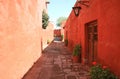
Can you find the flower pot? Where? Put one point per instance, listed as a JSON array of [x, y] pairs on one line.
[[75, 59], [66, 42], [48, 42]]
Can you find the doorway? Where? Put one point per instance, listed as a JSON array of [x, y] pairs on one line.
[[91, 41]]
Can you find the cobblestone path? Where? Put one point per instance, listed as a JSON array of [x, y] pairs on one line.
[[56, 63]]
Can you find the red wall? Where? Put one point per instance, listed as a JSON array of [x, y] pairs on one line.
[[109, 34], [57, 32], [107, 15], [20, 36]]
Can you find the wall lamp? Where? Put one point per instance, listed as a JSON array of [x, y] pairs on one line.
[[76, 10]]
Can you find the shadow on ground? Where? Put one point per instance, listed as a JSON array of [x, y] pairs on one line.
[[56, 63]]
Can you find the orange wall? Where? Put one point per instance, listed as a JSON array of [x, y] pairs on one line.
[[20, 36], [62, 28], [109, 34], [107, 15], [47, 34]]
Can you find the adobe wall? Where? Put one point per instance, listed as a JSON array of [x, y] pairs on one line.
[[20, 36], [62, 29], [109, 34], [107, 15], [47, 34], [76, 25]]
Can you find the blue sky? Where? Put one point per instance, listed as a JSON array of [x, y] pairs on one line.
[[58, 8]]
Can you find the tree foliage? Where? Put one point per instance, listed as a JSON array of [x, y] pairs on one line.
[[45, 20], [60, 20]]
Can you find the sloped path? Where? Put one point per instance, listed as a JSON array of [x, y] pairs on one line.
[[56, 63]]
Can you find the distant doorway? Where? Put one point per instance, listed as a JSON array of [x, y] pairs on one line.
[[91, 42]]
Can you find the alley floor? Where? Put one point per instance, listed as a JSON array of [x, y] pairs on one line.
[[56, 63]]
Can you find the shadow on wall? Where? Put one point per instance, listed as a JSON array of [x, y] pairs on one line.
[[34, 70]]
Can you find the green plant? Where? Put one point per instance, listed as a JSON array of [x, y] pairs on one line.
[[60, 20], [45, 20], [66, 42], [76, 54], [62, 36], [77, 50], [48, 41], [99, 72]]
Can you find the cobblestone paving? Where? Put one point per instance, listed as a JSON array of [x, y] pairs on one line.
[[56, 63]]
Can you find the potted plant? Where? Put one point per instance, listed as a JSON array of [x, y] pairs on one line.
[[48, 41], [66, 42], [77, 54], [62, 36], [97, 71]]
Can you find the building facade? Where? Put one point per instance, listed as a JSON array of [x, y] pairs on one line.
[[20, 36], [47, 35], [96, 29]]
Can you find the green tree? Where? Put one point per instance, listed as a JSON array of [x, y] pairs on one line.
[[45, 20], [60, 20]]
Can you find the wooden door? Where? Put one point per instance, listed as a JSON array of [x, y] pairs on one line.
[[91, 41]]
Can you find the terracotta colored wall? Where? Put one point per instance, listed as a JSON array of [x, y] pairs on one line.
[[57, 32], [44, 5], [47, 34], [109, 34], [75, 25], [107, 15], [20, 36], [62, 28]]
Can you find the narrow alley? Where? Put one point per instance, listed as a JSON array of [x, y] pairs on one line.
[[84, 31], [56, 63]]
